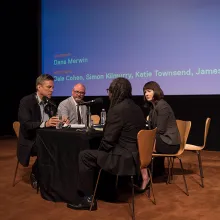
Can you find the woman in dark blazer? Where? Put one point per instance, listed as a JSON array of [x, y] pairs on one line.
[[161, 116]]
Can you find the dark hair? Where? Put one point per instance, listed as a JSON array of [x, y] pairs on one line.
[[120, 89], [43, 77], [158, 92]]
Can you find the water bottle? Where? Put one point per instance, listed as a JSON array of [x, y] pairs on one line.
[[103, 116]]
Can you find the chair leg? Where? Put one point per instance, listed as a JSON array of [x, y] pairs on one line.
[[94, 194], [169, 169], [200, 168], [172, 162], [151, 187], [152, 166], [181, 165], [132, 182], [15, 174]]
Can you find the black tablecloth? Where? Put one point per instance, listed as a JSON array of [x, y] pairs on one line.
[[58, 152]]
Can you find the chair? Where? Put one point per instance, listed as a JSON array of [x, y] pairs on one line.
[[146, 139], [16, 127], [95, 119], [198, 149], [184, 128]]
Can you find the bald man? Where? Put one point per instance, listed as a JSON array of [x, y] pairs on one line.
[[69, 108]]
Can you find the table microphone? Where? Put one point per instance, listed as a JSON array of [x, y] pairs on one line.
[[95, 101]]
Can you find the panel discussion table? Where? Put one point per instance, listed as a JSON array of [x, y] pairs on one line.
[[58, 151]]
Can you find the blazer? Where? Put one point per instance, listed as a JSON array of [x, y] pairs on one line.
[[29, 116], [161, 116], [118, 150], [68, 108]]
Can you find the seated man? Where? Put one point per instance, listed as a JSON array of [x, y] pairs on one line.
[[118, 151], [34, 114], [69, 108]]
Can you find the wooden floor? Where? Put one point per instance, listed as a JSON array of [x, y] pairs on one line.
[[22, 203]]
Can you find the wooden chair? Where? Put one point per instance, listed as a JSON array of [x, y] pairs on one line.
[[184, 128], [198, 149], [95, 119], [16, 127], [146, 139]]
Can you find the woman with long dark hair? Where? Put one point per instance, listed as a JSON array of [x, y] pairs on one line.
[[161, 116]]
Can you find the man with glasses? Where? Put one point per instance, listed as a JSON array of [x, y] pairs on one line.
[[69, 108]]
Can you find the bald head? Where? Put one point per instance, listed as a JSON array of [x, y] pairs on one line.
[[79, 86], [78, 92]]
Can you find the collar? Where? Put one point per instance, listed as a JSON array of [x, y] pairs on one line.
[[39, 100]]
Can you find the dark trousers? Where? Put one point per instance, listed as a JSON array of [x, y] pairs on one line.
[[87, 168], [162, 148]]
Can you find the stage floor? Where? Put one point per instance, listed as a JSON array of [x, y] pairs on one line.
[[22, 203]]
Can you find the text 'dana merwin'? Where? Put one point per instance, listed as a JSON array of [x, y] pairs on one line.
[[70, 61]]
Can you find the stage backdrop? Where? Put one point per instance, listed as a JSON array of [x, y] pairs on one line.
[[20, 75], [175, 43]]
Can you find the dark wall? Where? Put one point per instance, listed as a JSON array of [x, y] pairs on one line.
[[20, 68], [193, 108], [19, 52]]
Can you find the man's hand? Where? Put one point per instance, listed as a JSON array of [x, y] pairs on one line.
[[65, 120], [52, 122]]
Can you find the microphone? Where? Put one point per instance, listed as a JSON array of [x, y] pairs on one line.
[[95, 101], [46, 100]]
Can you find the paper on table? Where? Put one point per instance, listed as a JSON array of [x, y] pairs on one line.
[[98, 129], [77, 125]]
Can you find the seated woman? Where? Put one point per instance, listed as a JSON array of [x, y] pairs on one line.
[[161, 116]]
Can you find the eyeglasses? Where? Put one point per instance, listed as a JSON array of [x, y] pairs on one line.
[[108, 91], [79, 93]]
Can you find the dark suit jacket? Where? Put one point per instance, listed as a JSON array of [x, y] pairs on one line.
[[29, 117], [162, 117], [118, 151]]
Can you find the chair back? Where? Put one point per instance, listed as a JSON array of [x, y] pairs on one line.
[[146, 140], [184, 129], [16, 127], [207, 124], [95, 119]]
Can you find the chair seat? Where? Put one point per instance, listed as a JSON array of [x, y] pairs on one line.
[[192, 147], [167, 155], [163, 155]]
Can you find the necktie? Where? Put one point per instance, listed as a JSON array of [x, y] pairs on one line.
[[78, 115]]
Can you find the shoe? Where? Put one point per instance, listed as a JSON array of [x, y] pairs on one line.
[[84, 204], [33, 180], [139, 190]]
